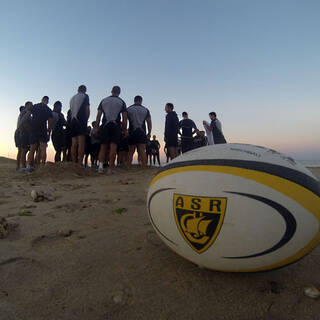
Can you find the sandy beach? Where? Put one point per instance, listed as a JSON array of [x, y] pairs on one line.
[[86, 250]]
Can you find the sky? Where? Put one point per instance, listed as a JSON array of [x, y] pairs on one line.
[[255, 63]]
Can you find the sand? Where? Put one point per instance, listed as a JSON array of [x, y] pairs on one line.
[[88, 251]]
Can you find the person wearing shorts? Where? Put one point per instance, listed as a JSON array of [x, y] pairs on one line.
[[68, 138], [95, 145], [22, 134], [113, 108], [58, 133], [138, 115], [80, 112], [171, 131], [17, 139], [41, 126], [122, 151], [87, 149], [149, 152]]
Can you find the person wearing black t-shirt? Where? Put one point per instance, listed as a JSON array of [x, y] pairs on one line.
[[80, 112], [171, 131], [187, 129], [58, 133], [149, 151], [68, 137], [22, 135], [41, 126], [155, 147]]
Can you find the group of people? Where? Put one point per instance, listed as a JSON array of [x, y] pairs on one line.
[[115, 135]]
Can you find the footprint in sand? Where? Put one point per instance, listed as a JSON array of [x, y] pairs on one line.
[[122, 295], [55, 237]]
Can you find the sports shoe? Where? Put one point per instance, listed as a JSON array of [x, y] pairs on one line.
[[100, 170]]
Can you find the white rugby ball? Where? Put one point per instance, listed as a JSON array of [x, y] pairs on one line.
[[236, 207]]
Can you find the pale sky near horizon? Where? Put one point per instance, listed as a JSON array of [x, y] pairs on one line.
[[256, 63]]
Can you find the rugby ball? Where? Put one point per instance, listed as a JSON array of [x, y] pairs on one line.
[[236, 207]]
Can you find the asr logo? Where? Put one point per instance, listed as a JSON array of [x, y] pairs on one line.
[[199, 219]]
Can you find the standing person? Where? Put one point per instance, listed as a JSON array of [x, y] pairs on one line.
[[80, 113], [216, 129], [87, 149], [111, 107], [58, 134], [17, 138], [171, 131], [187, 129], [41, 126], [155, 147], [122, 150], [149, 151], [68, 138], [138, 115], [95, 145], [22, 135]]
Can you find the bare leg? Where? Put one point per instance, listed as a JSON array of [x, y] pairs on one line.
[[23, 157], [102, 153], [18, 157], [37, 156], [172, 152], [30, 159], [132, 149], [112, 154], [125, 157], [64, 154], [81, 148], [158, 158], [86, 160], [43, 152], [74, 149], [142, 154]]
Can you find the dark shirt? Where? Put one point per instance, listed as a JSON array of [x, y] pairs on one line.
[[172, 125], [58, 122], [40, 115], [187, 125], [155, 145]]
